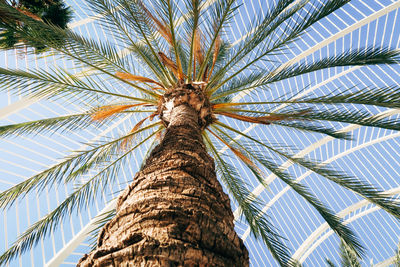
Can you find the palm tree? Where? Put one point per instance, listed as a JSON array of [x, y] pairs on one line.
[[49, 11], [191, 85]]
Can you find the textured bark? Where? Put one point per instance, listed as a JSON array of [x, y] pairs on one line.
[[175, 212]]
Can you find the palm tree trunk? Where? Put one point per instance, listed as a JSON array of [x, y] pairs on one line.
[[175, 212]]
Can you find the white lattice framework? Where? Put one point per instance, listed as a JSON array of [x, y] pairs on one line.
[[373, 154]]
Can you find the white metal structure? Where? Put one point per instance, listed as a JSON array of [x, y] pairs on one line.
[[373, 155]]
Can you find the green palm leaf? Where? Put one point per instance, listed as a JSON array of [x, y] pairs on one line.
[[250, 207], [333, 221], [67, 169], [349, 58], [54, 84], [364, 189]]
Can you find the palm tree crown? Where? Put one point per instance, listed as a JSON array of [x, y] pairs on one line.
[[187, 59]]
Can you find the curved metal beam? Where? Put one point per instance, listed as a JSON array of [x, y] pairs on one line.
[[386, 262], [84, 21], [342, 33], [311, 242], [17, 106]]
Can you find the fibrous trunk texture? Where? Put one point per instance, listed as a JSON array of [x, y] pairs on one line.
[[175, 212]]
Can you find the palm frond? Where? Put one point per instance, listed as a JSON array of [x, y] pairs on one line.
[[144, 53], [330, 263], [309, 127], [328, 215], [334, 114], [77, 48], [127, 21], [135, 128], [105, 112], [78, 200], [259, 31], [306, 126], [47, 13], [221, 13], [352, 116], [367, 191], [170, 64], [387, 96], [109, 152], [53, 84], [362, 57], [259, 224], [240, 153], [217, 47], [143, 22], [272, 117], [237, 84], [102, 220], [67, 169], [29, 14], [223, 53], [131, 77], [161, 26], [194, 8], [183, 52], [302, 23], [334, 222], [348, 256], [291, 31], [171, 11], [367, 56], [100, 56], [198, 51], [50, 125]]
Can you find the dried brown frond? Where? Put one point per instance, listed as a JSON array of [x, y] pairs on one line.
[[159, 135], [165, 32], [29, 14], [239, 154], [159, 88], [262, 119], [151, 117], [223, 105], [129, 139], [198, 47], [217, 47], [205, 77], [181, 75], [159, 25], [131, 77], [107, 111], [169, 64]]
